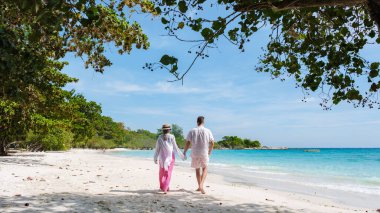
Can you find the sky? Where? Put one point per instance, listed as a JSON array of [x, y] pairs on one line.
[[226, 89]]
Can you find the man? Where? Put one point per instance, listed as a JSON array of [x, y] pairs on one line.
[[202, 143]]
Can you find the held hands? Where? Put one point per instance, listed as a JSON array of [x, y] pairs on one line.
[[155, 161]]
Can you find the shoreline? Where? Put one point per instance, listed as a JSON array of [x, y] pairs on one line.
[[91, 181], [292, 183]]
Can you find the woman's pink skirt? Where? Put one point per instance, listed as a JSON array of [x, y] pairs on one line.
[[165, 176]]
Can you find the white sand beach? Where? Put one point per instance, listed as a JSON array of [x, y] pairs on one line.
[[91, 181]]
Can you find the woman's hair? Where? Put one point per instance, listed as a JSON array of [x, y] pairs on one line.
[[165, 133]]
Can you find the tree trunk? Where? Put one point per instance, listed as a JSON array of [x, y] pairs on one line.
[[374, 11], [3, 150]]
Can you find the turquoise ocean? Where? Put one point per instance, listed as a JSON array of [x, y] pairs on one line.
[[354, 170]]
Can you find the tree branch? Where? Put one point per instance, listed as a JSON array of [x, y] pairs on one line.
[[250, 5]]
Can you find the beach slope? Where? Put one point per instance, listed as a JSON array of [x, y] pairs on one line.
[[92, 181]]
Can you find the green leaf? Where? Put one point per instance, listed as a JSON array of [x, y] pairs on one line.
[[181, 25], [166, 60], [174, 68], [373, 73], [164, 20], [158, 10], [301, 36], [182, 6], [355, 25], [232, 34], [197, 25], [353, 94], [372, 34], [216, 25], [374, 87], [344, 31], [375, 65], [169, 2], [207, 34]]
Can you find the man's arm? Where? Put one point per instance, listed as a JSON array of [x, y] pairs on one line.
[[188, 142], [211, 143], [187, 145], [210, 147]]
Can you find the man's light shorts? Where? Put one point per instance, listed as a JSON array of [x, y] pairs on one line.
[[199, 162]]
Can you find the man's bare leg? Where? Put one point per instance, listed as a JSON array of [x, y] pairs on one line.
[[203, 178], [198, 174]]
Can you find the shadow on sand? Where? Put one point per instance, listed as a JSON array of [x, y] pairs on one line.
[[127, 201], [23, 159]]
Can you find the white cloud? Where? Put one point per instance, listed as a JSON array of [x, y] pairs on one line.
[[161, 42], [158, 88], [125, 88], [142, 111], [171, 88]]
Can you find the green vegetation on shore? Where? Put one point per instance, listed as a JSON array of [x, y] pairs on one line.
[[84, 127], [234, 142], [101, 132]]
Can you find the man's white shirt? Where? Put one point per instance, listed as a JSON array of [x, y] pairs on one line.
[[200, 138]]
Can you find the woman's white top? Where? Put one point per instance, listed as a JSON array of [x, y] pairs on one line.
[[165, 146]]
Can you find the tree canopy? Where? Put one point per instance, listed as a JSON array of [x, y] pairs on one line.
[[83, 27], [317, 43], [34, 37]]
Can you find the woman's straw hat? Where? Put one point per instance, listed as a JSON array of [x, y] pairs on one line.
[[166, 127]]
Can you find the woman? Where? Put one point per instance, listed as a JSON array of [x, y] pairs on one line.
[[166, 146]]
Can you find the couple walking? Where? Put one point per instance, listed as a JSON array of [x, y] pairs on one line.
[[201, 141]]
